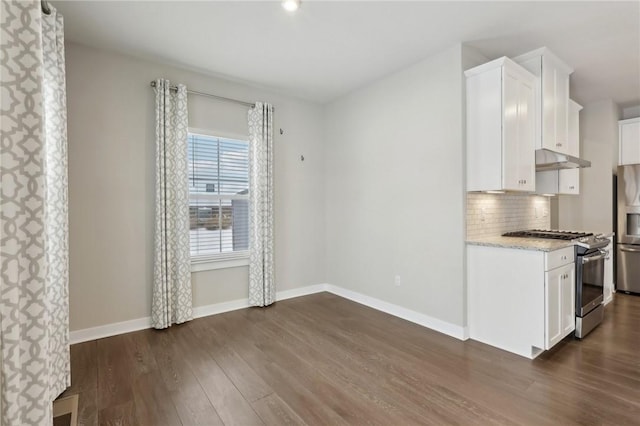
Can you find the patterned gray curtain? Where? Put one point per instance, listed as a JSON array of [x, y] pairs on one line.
[[34, 306], [172, 302], [262, 289]]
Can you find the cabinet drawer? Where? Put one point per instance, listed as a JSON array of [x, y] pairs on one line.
[[558, 258]]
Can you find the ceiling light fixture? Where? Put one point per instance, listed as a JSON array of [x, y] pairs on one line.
[[290, 5]]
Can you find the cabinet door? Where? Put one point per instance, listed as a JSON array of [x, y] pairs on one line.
[[547, 182], [630, 143], [510, 150], [569, 181], [518, 133], [553, 307], [526, 135], [560, 317], [555, 106], [568, 299], [562, 111], [574, 129]]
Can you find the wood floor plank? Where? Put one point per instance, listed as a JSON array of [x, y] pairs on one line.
[[275, 412], [322, 359], [115, 373], [153, 403], [225, 397], [189, 398], [248, 382], [118, 415], [301, 399]]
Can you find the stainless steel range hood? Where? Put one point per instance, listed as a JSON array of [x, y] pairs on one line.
[[551, 160]]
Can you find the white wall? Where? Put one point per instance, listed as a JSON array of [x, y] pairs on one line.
[[395, 189], [592, 209], [111, 184], [630, 112]]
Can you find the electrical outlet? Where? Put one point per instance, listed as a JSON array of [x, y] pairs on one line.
[[396, 281], [537, 211], [545, 213], [483, 212]]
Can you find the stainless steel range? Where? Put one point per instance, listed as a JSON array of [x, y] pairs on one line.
[[590, 257]]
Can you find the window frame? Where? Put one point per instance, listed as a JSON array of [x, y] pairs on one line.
[[227, 259]]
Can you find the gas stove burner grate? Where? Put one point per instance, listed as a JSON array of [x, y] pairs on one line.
[[548, 234]]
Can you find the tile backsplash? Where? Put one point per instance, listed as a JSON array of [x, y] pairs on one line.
[[495, 214]]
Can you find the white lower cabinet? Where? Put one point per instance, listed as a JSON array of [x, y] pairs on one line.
[[560, 319], [522, 301]]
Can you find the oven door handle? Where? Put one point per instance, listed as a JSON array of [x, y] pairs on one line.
[[629, 250], [587, 259]]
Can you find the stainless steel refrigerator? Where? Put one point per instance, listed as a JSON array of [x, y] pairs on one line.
[[628, 247]]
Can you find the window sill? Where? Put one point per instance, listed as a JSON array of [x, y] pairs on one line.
[[219, 264]]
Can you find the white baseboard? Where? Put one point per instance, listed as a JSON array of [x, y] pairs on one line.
[[301, 291], [219, 308], [99, 332], [449, 329], [398, 311], [107, 330]]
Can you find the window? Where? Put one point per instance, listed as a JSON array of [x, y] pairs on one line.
[[218, 197]]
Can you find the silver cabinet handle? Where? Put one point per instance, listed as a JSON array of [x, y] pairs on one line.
[[630, 250]]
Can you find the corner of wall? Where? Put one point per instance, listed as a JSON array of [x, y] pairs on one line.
[[469, 57]]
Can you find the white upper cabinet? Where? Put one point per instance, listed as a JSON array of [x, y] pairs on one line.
[[564, 181], [629, 141], [552, 116], [501, 131]]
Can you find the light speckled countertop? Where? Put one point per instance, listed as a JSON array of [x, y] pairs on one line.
[[538, 244]]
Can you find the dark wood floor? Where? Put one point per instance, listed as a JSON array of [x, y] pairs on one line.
[[324, 360]]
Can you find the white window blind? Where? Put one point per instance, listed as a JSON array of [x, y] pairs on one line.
[[218, 197]]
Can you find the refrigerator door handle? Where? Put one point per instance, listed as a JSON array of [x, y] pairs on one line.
[[630, 250]]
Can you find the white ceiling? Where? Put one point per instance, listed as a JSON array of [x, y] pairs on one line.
[[329, 48]]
